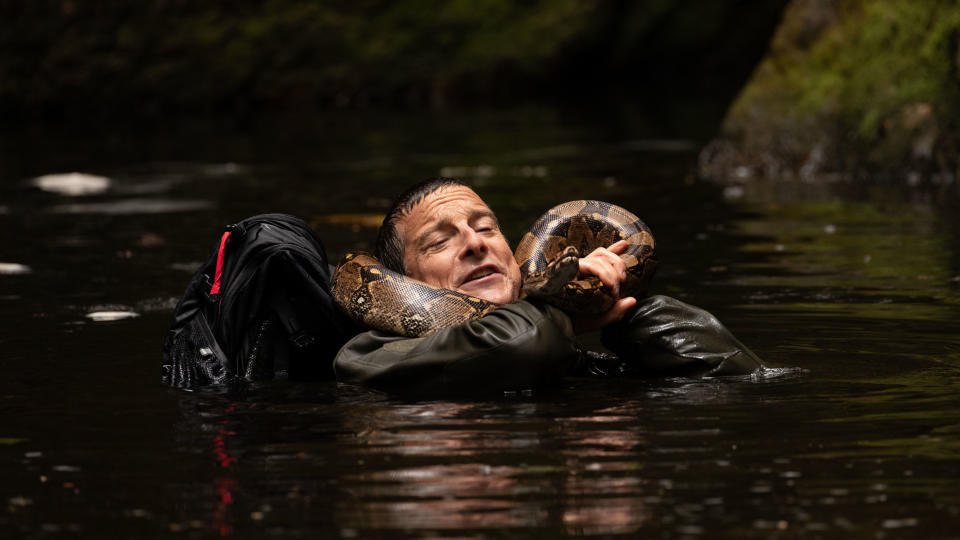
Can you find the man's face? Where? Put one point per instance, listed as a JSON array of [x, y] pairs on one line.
[[452, 239]]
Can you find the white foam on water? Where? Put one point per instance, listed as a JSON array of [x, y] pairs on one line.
[[769, 373], [9, 269], [105, 316], [73, 184]]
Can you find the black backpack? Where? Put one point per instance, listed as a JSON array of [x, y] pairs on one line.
[[260, 306]]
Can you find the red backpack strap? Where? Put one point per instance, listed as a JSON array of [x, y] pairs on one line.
[[219, 274]]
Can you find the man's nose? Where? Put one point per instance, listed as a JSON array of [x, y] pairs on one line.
[[473, 244]]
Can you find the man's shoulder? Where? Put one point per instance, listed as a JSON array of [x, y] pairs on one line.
[[512, 317]]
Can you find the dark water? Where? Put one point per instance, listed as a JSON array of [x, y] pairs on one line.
[[851, 295]]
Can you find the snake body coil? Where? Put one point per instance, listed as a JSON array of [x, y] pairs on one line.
[[382, 299]]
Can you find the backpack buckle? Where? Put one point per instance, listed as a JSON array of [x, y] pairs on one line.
[[302, 340]]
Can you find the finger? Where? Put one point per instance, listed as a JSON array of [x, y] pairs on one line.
[[616, 267], [587, 324], [611, 258], [618, 247], [618, 311], [603, 270], [612, 255]]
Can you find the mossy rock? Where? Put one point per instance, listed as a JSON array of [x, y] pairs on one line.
[[857, 88]]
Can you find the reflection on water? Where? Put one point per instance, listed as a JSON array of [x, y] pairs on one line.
[[131, 206], [850, 296]]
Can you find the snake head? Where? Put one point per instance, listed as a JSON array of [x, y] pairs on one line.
[[559, 271]]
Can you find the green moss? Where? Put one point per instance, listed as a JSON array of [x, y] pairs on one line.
[[856, 74], [12, 440]]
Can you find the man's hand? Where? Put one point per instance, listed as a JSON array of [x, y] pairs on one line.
[[606, 264]]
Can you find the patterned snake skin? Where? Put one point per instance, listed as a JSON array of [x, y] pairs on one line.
[[379, 298]]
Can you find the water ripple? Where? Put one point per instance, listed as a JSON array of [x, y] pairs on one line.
[[132, 206]]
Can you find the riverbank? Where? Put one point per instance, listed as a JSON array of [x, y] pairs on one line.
[[66, 60]]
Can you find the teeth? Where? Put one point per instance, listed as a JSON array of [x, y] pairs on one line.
[[479, 275]]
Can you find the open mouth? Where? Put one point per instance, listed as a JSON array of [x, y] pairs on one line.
[[479, 274]]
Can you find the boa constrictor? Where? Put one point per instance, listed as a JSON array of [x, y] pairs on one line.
[[548, 254]]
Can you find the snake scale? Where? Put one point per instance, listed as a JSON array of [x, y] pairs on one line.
[[548, 254]]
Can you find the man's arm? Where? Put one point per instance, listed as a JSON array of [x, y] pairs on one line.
[[666, 337], [661, 336], [517, 346]]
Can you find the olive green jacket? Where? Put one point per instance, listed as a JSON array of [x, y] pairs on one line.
[[528, 344]]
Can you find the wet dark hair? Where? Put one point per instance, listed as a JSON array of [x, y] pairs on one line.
[[389, 246]]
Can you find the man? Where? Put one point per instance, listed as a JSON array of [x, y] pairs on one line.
[[442, 233]]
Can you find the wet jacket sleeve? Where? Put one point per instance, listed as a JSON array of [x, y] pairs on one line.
[[666, 337], [517, 346]]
